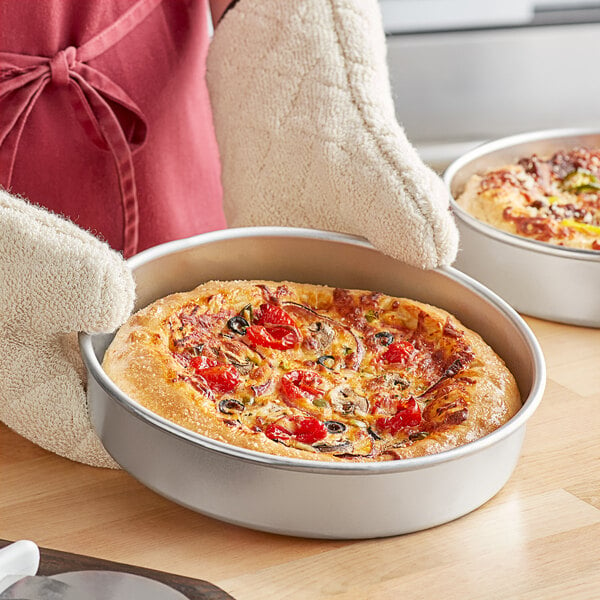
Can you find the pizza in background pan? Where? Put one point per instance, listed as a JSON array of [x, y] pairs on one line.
[[312, 372], [554, 200]]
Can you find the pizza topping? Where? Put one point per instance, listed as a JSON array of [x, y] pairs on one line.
[[230, 406], [456, 417], [273, 328], [583, 227], [237, 353], [503, 178], [581, 181], [385, 403], [198, 363], [301, 385], [277, 433], [306, 430], [269, 314], [385, 338], [219, 378], [565, 162], [263, 388], [193, 328], [197, 383], [335, 427], [244, 366], [388, 382], [346, 401], [327, 361], [278, 337], [539, 170], [398, 352], [354, 359], [362, 445], [334, 448], [407, 415], [322, 335], [568, 210], [449, 330], [238, 324], [540, 228], [450, 412], [455, 367], [196, 350], [372, 433]]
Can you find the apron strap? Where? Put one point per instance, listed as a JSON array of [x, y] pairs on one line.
[[115, 32]]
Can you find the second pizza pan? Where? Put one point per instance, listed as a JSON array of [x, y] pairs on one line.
[[537, 279], [301, 497]]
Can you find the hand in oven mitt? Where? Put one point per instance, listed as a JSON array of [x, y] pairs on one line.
[[307, 131], [56, 280]]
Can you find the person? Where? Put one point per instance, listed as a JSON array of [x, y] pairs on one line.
[[123, 125]]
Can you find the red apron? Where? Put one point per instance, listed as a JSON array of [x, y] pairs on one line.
[[105, 116]]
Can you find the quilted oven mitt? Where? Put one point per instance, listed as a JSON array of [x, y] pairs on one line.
[[307, 132], [56, 280]]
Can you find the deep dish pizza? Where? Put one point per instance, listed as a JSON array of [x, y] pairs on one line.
[[554, 200], [312, 372]]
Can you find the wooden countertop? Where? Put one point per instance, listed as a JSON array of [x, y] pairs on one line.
[[539, 538]]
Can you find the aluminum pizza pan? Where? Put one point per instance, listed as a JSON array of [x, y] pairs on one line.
[[538, 279], [303, 497]]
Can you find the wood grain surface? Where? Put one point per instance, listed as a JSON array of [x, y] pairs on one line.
[[538, 538]]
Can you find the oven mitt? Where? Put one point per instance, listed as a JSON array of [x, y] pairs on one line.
[[56, 280], [306, 128]]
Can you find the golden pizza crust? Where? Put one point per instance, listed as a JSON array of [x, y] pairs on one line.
[[141, 362]]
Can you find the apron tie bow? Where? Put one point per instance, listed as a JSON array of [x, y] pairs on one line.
[[93, 96], [60, 64]]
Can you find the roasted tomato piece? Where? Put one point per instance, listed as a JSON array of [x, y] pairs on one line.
[[301, 385], [202, 362], [273, 328], [398, 352], [407, 415], [278, 337], [277, 432], [220, 378], [384, 404], [269, 314], [307, 430]]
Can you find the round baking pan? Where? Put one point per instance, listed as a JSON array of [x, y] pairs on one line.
[[303, 497], [538, 279]]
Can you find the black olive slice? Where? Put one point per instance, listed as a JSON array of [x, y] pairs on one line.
[[238, 325], [326, 361], [335, 427], [385, 338], [230, 406]]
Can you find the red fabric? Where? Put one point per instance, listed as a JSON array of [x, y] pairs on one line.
[[105, 116]]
